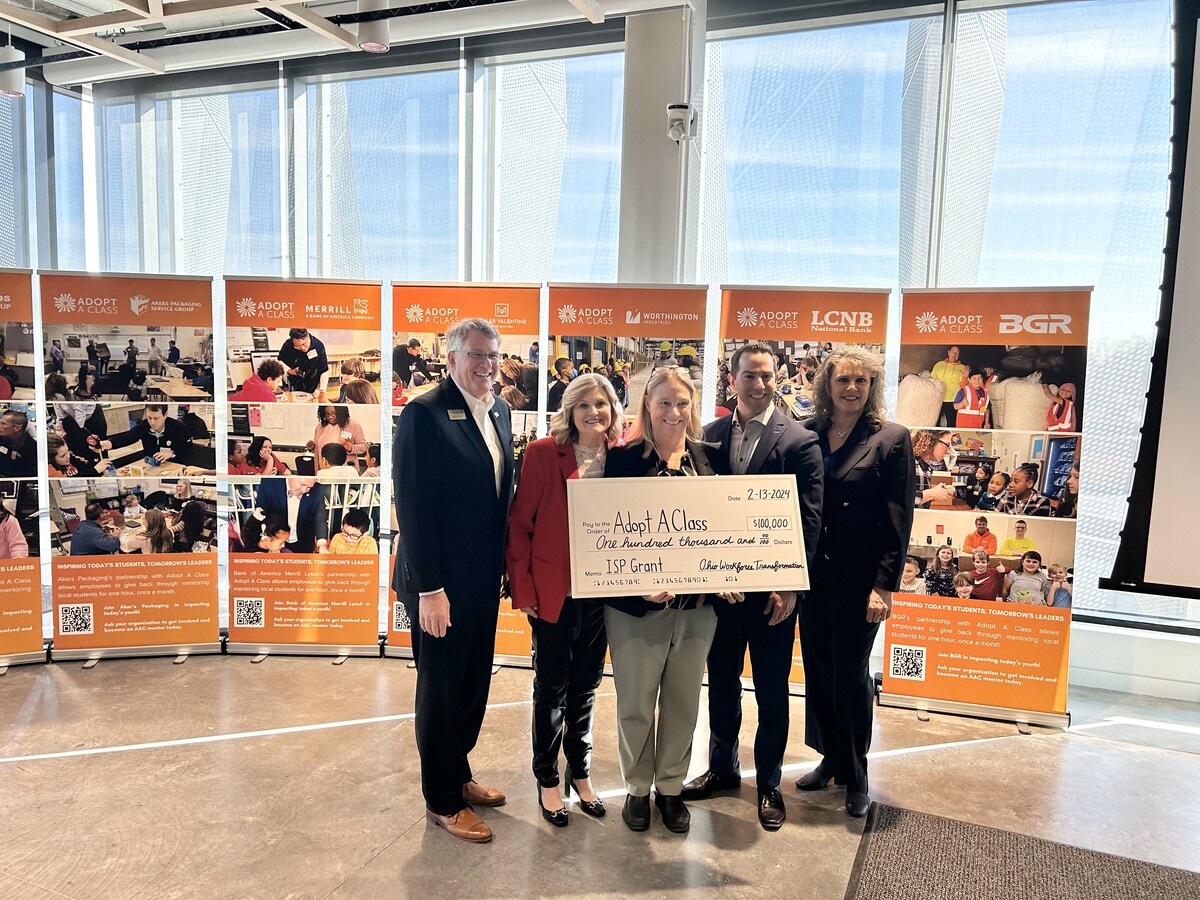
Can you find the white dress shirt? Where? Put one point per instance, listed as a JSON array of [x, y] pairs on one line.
[[744, 441]]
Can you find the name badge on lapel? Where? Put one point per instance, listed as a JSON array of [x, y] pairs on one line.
[[312, 354], [457, 415]]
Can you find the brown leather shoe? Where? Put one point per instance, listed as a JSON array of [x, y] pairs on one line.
[[464, 824], [478, 795]]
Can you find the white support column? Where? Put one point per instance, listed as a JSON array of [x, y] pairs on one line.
[[658, 58]]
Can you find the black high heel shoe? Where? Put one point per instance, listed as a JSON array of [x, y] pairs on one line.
[[559, 818], [594, 808]]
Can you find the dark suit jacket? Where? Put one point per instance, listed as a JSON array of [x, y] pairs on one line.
[[785, 448], [312, 518], [628, 462], [452, 523], [538, 553], [176, 438], [867, 515]]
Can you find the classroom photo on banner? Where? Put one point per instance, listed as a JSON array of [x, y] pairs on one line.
[[329, 441], [17, 371], [111, 516], [419, 362], [20, 534], [300, 514], [627, 362], [93, 439], [294, 364], [128, 362]]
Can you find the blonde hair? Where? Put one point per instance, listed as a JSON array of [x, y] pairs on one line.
[[1055, 568], [159, 536], [875, 410], [641, 428], [562, 423]]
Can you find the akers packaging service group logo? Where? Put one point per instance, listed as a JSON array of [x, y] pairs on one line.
[[138, 304]]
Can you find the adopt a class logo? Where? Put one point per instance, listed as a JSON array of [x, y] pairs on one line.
[[416, 313], [929, 322], [95, 306], [570, 314], [250, 308]]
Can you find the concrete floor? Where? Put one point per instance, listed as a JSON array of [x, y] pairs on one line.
[[295, 778]]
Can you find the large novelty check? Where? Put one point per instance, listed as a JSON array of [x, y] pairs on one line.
[[685, 535]]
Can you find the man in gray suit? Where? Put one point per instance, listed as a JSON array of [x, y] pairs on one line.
[[453, 480]]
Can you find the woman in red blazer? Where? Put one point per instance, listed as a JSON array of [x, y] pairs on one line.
[[569, 642]]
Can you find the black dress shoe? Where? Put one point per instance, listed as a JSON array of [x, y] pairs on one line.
[[816, 780], [559, 818], [594, 808], [704, 786], [770, 810], [636, 813], [857, 804], [674, 814]]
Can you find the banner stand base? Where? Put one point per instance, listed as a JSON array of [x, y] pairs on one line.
[[22, 659], [97, 654], [999, 713], [397, 652], [303, 649]]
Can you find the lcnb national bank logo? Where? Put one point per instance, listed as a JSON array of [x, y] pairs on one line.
[[966, 323], [96, 306], [249, 308], [418, 313], [570, 314]]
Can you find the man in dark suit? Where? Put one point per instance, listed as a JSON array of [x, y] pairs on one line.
[[453, 480], [757, 439], [164, 438], [301, 501]]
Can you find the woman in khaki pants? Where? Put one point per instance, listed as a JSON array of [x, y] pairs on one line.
[[659, 642]]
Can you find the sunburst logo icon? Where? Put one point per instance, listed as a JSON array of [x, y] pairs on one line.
[[360, 307], [567, 313], [414, 313], [64, 303], [927, 322], [747, 317], [247, 307]]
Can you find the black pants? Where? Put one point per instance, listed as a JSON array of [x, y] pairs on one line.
[[949, 413], [836, 639], [568, 663], [771, 648], [454, 674]]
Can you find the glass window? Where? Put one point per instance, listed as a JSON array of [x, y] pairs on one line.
[[68, 182], [382, 178], [1057, 175], [554, 145], [192, 182], [819, 149]]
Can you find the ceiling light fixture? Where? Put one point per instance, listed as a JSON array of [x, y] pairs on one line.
[[374, 36], [12, 81]]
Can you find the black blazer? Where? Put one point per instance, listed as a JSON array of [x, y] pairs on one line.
[[452, 523], [785, 448], [867, 517], [627, 462]]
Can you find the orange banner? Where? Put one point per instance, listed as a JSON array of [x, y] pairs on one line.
[[512, 308], [152, 600], [805, 314], [1012, 316], [303, 303], [76, 298], [20, 607], [16, 295], [303, 599], [675, 311], [513, 636], [976, 651]]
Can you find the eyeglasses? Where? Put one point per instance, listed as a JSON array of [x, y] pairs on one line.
[[478, 357], [946, 444], [351, 535]]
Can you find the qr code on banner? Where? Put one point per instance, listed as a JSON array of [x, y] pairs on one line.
[[400, 620], [75, 618], [249, 612], [908, 662]]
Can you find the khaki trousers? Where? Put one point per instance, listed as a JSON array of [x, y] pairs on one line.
[[658, 661]]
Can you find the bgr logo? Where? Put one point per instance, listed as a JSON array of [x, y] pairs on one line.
[[1038, 323]]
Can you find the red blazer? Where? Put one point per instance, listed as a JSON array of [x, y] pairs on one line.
[[538, 551]]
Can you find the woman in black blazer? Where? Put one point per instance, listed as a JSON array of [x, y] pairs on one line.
[[870, 479], [659, 642]]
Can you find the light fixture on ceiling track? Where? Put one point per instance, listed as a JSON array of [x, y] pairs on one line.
[[374, 36], [12, 81]]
